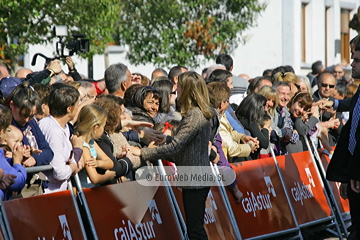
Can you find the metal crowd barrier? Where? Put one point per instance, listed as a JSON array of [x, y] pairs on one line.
[[130, 210]]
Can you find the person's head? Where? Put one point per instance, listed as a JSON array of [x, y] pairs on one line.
[[266, 120], [13, 137], [203, 73], [340, 90], [252, 108], [7, 85], [5, 121], [91, 121], [352, 44], [158, 72], [300, 103], [213, 68], [143, 79], [272, 99], [267, 73], [219, 94], [303, 84], [64, 101], [174, 74], [289, 78], [89, 88], [244, 76], [148, 99], [326, 85], [192, 92], [117, 79], [351, 90], [355, 56], [220, 75], [22, 102], [285, 69], [160, 79], [260, 82], [4, 72], [43, 110], [283, 91], [129, 93], [338, 72], [317, 67], [23, 72], [168, 94], [114, 106], [226, 60]]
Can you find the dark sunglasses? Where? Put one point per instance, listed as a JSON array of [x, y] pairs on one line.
[[174, 92], [325, 85], [297, 86]]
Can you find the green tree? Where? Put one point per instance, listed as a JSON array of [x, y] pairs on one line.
[[184, 32], [24, 22]]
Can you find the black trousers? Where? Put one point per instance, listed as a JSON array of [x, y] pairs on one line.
[[354, 202], [194, 206]]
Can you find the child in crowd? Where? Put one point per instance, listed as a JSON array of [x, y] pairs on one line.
[[265, 123], [169, 129], [90, 126]]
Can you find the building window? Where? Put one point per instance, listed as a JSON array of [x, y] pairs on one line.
[[345, 36]]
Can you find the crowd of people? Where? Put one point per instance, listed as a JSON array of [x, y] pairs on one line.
[[105, 130]]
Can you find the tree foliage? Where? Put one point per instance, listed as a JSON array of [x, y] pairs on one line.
[[24, 22], [184, 32]]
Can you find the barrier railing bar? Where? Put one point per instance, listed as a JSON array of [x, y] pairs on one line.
[[330, 197], [227, 203], [286, 193], [37, 169], [317, 221], [275, 234], [174, 205], [4, 223], [73, 196], [81, 196]]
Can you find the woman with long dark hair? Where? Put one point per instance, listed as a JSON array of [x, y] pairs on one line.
[[167, 111], [189, 147], [250, 114]]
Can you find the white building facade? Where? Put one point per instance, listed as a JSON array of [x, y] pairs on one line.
[[289, 32]]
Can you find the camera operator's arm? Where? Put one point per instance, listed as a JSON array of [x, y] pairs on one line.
[[72, 70], [52, 69]]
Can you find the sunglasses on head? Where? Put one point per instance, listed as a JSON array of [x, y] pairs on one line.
[[325, 85]]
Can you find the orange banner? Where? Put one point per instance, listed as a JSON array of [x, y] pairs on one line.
[[217, 221], [132, 211], [304, 186], [343, 204], [264, 209], [49, 216]]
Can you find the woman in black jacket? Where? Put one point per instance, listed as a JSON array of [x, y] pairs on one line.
[[250, 113]]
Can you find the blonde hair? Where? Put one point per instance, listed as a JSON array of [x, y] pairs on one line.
[[305, 79], [287, 77], [89, 117], [194, 94], [270, 93], [76, 85]]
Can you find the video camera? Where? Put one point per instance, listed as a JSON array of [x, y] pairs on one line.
[[79, 44]]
